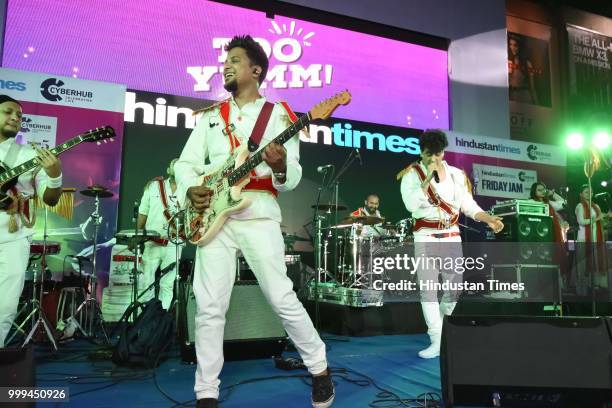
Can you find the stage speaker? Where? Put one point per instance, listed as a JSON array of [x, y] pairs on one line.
[[526, 228], [526, 362], [17, 370], [252, 329]]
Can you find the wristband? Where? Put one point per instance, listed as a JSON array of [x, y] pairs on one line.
[[54, 182]]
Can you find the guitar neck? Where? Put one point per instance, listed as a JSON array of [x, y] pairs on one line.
[[33, 163], [245, 168]]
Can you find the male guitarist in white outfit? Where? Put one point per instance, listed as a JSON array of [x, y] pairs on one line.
[[255, 231], [435, 192], [15, 234]]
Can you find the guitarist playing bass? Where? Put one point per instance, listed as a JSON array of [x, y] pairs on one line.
[[15, 232], [255, 230]]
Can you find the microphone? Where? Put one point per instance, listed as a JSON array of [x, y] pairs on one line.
[[436, 176], [358, 155], [321, 169], [135, 213]]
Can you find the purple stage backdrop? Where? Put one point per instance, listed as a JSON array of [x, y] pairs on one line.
[[176, 48]]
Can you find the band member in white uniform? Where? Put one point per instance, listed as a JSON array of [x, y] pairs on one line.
[[157, 206], [255, 231], [15, 230], [435, 193]]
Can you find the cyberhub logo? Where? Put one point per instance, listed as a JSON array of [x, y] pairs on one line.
[[38, 124], [531, 152], [53, 89], [524, 177], [534, 154], [25, 125]]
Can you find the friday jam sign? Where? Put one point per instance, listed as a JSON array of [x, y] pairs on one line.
[[286, 48]]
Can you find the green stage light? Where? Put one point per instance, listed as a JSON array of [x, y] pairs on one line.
[[601, 139], [604, 183], [575, 141]]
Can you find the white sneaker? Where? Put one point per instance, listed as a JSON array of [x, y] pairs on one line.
[[433, 350]]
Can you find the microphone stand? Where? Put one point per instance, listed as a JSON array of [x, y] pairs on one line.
[[335, 182], [176, 239], [316, 222]]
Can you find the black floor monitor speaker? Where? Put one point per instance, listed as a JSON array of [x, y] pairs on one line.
[[526, 362], [252, 329], [17, 370]]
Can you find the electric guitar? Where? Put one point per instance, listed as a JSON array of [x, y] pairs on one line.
[[227, 183], [8, 177]]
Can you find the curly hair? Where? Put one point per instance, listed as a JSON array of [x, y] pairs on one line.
[[254, 51], [433, 140]]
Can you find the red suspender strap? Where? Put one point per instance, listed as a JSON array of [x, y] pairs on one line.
[[436, 200], [260, 126], [433, 196], [224, 109], [257, 184], [162, 194], [292, 116], [261, 184]]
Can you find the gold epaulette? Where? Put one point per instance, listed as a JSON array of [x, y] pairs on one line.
[[209, 107], [403, 172]]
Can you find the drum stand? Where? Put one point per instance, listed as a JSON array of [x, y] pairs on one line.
[[37, 299], [176, 299], [90, 305]]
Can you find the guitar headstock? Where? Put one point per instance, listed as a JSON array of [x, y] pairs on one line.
[[324, 109], [97, 135]]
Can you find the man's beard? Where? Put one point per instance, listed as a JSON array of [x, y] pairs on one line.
[[231, 86]]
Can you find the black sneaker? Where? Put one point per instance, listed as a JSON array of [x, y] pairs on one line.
[[322, 391], [207, 403]]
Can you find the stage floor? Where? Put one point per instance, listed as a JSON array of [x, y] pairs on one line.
[[390, 362]]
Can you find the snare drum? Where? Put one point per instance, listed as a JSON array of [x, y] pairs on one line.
[[52, 248]]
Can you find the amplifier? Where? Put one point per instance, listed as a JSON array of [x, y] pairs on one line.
[[520, 207]]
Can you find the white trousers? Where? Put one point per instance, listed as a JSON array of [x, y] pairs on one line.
[[157, 256], [261, 243], [13, 263], [431, 271]]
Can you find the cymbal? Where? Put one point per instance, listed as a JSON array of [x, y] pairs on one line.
[[97, 191], [328, 207], [362, 219]]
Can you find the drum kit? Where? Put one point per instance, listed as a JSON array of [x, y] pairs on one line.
[[345, 250], [88, 313]]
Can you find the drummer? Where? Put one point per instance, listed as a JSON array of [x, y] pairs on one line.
[[370, 209]]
